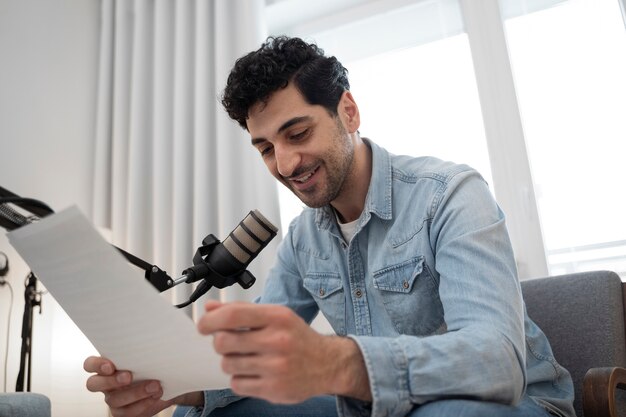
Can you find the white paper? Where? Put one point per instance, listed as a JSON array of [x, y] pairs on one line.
[[125, 318]]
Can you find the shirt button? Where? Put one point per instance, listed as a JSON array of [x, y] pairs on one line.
[[405, 284], [322, 292], [358, 293]]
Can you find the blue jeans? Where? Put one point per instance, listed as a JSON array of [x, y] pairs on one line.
[[468, 408], [326, 407]]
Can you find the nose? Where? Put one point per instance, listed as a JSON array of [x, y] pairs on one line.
[[287, 160]]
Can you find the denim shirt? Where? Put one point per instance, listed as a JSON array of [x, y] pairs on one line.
[[427, 288]]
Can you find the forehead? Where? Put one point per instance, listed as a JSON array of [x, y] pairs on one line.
[[285, 104]]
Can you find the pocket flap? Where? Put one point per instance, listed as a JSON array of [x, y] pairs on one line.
[[322, 284], [399, 277]]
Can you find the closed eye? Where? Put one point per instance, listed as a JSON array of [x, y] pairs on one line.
[[299, 135], [265, 150]]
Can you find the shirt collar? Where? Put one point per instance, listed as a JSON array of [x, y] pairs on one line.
[[378, 200]]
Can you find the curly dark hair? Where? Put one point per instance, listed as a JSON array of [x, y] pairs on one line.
[[280, 60]]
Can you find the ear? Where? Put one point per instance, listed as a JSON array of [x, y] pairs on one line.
[[349, 112]]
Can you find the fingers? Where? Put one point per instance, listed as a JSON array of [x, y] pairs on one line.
[[195, 399], [105, 383], [137, 399], [237, 315], [144, 408], [99, 365], [122, 395], [106, 377], [134, 393], [235, 342], [231, 316], [247, 385], [212, 305], [246, 365]]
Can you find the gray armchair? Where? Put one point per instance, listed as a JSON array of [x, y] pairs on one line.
[[24, 404], [583, 316]]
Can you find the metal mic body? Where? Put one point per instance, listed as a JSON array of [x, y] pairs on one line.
[[223, 263]]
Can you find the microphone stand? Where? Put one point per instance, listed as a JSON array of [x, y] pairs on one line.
[[32, 299], [11, 219]]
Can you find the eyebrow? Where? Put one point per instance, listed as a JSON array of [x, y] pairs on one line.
[[285, 126]]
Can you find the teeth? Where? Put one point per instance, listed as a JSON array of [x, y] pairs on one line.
[[304, 179]]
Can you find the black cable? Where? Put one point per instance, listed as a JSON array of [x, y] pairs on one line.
[[27, 201], [200, 290], [183, 305]]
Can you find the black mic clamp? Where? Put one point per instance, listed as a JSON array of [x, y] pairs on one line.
[[202, 269]]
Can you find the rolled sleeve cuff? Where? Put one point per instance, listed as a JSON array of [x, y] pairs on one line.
[[387, 368], [213, 399]]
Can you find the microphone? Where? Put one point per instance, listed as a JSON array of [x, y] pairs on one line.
[[220, 264]]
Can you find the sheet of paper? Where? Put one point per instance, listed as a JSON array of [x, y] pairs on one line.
[[124, 317]]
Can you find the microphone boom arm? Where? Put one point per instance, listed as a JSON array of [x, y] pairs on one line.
[[201, 270], [155, 275]]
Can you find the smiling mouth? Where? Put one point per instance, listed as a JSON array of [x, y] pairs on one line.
[[304, 178]]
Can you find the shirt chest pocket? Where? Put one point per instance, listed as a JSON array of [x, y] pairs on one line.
[[327, 290], [410, 296]]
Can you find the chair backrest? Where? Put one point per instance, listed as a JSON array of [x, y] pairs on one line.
[[582, 315]]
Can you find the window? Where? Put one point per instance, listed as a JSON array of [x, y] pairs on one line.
[[423, 101], [569, 63]]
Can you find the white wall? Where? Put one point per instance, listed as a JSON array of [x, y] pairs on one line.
[[48, 70]]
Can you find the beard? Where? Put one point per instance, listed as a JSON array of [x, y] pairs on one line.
[[337, 162]]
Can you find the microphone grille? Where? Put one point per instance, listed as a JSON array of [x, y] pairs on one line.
[[260, 226], [251, 235], [234, 249]]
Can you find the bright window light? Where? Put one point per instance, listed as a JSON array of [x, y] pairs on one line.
[[423, 101], [569, 63]]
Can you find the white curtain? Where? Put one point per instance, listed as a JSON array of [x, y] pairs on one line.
[[170, 166]]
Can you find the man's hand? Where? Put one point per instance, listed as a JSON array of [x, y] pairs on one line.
[[127, 398], [273, 354]]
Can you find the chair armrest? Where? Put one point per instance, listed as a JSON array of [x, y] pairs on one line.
[[599, 388]]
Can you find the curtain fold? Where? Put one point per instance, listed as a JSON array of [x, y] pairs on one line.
[[163, 133], [170, 166]]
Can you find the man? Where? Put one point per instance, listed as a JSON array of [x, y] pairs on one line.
[[408, 258]]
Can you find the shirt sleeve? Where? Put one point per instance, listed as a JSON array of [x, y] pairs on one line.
[[213, 399], [481, 355]]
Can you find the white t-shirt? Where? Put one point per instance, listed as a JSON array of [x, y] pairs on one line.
[[347, 229]]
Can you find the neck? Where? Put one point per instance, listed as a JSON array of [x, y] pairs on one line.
[[351, 200]]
